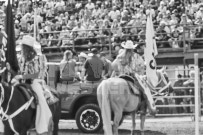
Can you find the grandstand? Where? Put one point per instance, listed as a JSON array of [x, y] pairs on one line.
[[80, 25]]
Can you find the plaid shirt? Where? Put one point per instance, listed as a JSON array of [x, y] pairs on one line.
[[37, 65], [136, 65]]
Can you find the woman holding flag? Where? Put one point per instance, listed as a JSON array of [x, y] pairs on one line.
[[33, 71]]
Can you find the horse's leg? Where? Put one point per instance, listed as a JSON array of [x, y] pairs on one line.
[[142, 118], [133, 123], [118, 113], [56, 118], [50, 128]]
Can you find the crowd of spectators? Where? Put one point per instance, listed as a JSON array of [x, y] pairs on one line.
[[109, 21]]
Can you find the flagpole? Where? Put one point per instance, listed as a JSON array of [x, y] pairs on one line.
[[35, 23]]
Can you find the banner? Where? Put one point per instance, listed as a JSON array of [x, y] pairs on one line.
[[11, 57], [150, 52]]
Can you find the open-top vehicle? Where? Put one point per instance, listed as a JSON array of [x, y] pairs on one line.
[[79, 101]]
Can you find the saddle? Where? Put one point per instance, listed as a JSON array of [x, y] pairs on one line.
[[131, 83], [27, 92]]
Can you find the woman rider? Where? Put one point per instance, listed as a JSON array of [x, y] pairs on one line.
[[130, 63], [33, 71]]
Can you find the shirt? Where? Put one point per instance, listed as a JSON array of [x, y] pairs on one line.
[[67, 69], [136, 65], [94, 67], [35, 68]]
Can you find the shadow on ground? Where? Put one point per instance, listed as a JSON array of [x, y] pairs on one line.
[[121, 132]]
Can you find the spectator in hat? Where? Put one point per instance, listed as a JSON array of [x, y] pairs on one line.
[[94, 67]]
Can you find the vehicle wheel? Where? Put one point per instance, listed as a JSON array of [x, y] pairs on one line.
[[88, 118]]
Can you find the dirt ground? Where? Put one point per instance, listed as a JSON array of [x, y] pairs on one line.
[[151, 128]]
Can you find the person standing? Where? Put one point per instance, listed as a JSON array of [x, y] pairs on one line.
[[107, 66], [179, 92], [94, 67], [67, 67], [80, 65]]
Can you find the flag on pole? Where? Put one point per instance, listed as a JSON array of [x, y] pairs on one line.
[[11, 57], [150, 52]]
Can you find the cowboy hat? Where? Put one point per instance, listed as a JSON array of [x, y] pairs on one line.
[[28, 40], [128, 45], [82, 54], [37, 48], [18, 48]]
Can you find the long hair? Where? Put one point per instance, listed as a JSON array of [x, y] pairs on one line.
[[28, 52], [126, 56], [66, 55]]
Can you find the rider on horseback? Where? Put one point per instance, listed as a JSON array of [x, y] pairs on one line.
[[132, 64], [33, 71]]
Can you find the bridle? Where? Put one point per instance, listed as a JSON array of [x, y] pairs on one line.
[[4, 116]]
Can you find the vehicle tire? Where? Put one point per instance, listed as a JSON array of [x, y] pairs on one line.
[[88, 118]]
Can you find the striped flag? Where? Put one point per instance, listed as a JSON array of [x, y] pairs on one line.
[[11, 57], [150, 52], [3, 42]]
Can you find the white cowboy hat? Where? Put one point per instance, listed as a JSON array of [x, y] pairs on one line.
[[82, 54], [28, 40], [90, 54], [37, 48], [128, 45], [18, 48]]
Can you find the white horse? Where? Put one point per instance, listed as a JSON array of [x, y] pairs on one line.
[[115, 97]]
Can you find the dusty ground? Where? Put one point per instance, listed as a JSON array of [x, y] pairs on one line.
[[160, 127]]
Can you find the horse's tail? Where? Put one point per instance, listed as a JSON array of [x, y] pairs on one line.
[[104, 104]]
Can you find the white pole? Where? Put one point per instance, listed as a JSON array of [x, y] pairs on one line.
[[196, 94]]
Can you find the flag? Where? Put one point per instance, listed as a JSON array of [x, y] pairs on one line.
[[150, 52], [11, 57]]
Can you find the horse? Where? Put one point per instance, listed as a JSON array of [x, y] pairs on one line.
[[17, 114], [115, 99]]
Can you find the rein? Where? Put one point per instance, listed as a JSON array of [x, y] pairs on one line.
[[5, 116]]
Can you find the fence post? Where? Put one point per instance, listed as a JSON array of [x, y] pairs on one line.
[[196, 94]]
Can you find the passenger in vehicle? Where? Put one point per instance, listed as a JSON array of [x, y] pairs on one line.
[[67, 67]]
